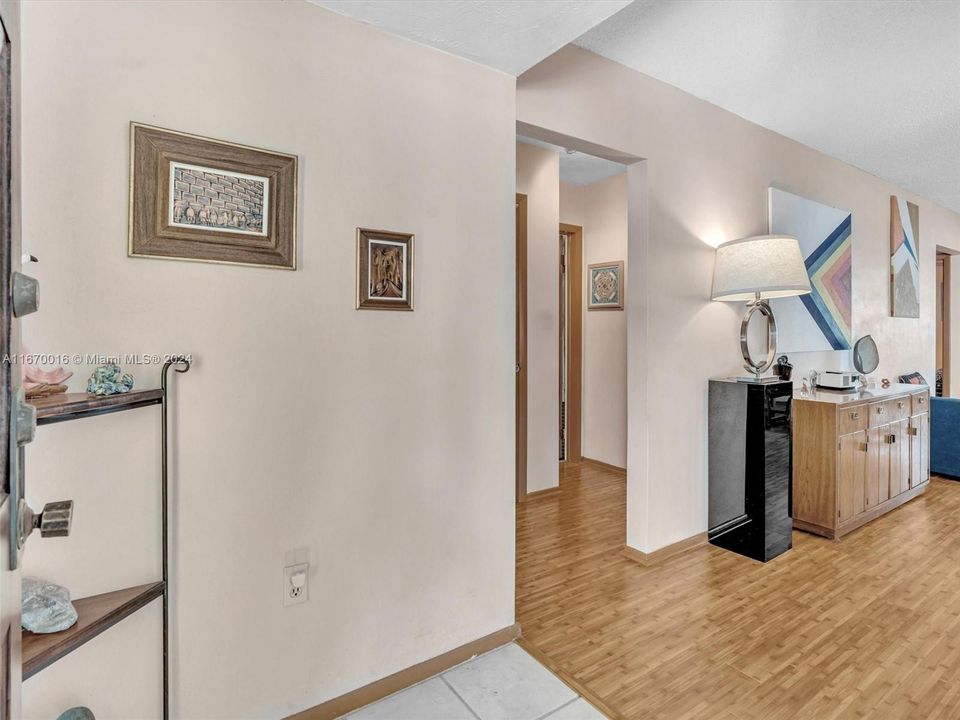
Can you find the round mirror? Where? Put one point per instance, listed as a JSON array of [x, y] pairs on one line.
[[866, 357]]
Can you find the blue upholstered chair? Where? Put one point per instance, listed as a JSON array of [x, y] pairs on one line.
[[945, 436]]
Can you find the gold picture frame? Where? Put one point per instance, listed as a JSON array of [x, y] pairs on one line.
[[206, 200], [384, 270]]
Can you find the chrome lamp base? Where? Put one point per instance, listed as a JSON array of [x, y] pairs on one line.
[[750, 365]]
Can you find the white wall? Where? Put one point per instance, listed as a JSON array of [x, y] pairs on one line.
[[707, 173], [538, 177], [601, 209], [380, 443]]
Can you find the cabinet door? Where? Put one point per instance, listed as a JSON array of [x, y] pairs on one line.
[[854, 454], [899, 443], [878, 466], [919, 449]]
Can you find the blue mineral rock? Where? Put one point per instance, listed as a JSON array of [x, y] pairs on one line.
[[76, 713], [46, 607], [109, 379]]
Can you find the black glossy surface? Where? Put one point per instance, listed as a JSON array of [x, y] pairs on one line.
[[762, 421]]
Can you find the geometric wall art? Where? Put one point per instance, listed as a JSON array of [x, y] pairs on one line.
[[904, 258], [605, 285], [822, 320]]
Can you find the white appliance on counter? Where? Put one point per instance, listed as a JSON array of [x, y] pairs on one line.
[[838, 380]]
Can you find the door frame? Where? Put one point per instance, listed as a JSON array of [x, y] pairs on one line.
[[944, 261], [520, 369], [574, 366]]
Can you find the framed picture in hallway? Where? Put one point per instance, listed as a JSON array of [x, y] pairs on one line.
[[196, 198], [384, 270], [605, 286]]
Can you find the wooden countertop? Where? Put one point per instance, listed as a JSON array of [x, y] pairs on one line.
[[841, 398]]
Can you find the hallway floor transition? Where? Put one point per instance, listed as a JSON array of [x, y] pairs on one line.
[[504, 684]]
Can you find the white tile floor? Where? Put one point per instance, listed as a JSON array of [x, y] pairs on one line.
[[505, 684]]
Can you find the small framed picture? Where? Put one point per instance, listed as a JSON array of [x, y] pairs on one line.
[[605, 284], [197, 198], [384, 270]]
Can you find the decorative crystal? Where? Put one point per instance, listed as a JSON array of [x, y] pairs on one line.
[[46, 607]]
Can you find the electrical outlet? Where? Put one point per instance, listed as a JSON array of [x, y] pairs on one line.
[[296, 584]]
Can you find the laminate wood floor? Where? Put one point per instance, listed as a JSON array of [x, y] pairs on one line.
[[867, 627]]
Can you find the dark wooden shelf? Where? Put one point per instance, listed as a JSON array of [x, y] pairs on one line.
[[96, 614], [71, 406]]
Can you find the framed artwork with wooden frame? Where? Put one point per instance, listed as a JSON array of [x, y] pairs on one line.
[[605, 287], [384, 270], [196, 198]]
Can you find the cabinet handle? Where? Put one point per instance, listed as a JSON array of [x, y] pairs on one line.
[[911, 431], [891, 439], [900, 404], [864, 447], [855, 416], [880, 410], [921, 400]]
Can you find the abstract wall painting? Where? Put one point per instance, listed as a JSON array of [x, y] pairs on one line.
[[196, 198], [605, 286], [904, 258], [822, 320], [384, 270]]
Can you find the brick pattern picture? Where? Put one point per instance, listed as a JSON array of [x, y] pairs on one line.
[[218, 199], [207, 200]]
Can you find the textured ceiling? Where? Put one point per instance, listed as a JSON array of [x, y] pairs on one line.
[[578, 168], [510, 35], [873, 83]]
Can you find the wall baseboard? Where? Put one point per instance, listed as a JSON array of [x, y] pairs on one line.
[[391, 684], [665, 553], [605, 466], [546, 492]]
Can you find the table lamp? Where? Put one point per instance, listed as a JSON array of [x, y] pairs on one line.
[[756, 269]]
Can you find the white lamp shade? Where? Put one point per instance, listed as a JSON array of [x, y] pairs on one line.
[[767, 264]]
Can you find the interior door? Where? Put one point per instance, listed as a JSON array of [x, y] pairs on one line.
[[10, 490]]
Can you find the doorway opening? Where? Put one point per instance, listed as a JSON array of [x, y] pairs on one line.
[[942, 323], [571, 362], [572, 368]]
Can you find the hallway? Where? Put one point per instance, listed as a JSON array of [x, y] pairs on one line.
[[866, 627]]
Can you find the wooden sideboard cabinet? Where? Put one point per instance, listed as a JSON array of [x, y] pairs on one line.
[[858, 455]]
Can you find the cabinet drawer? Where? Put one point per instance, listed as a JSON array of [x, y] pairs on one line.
[[852, 419], [921, 402], [887, 411], [900, 408]]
